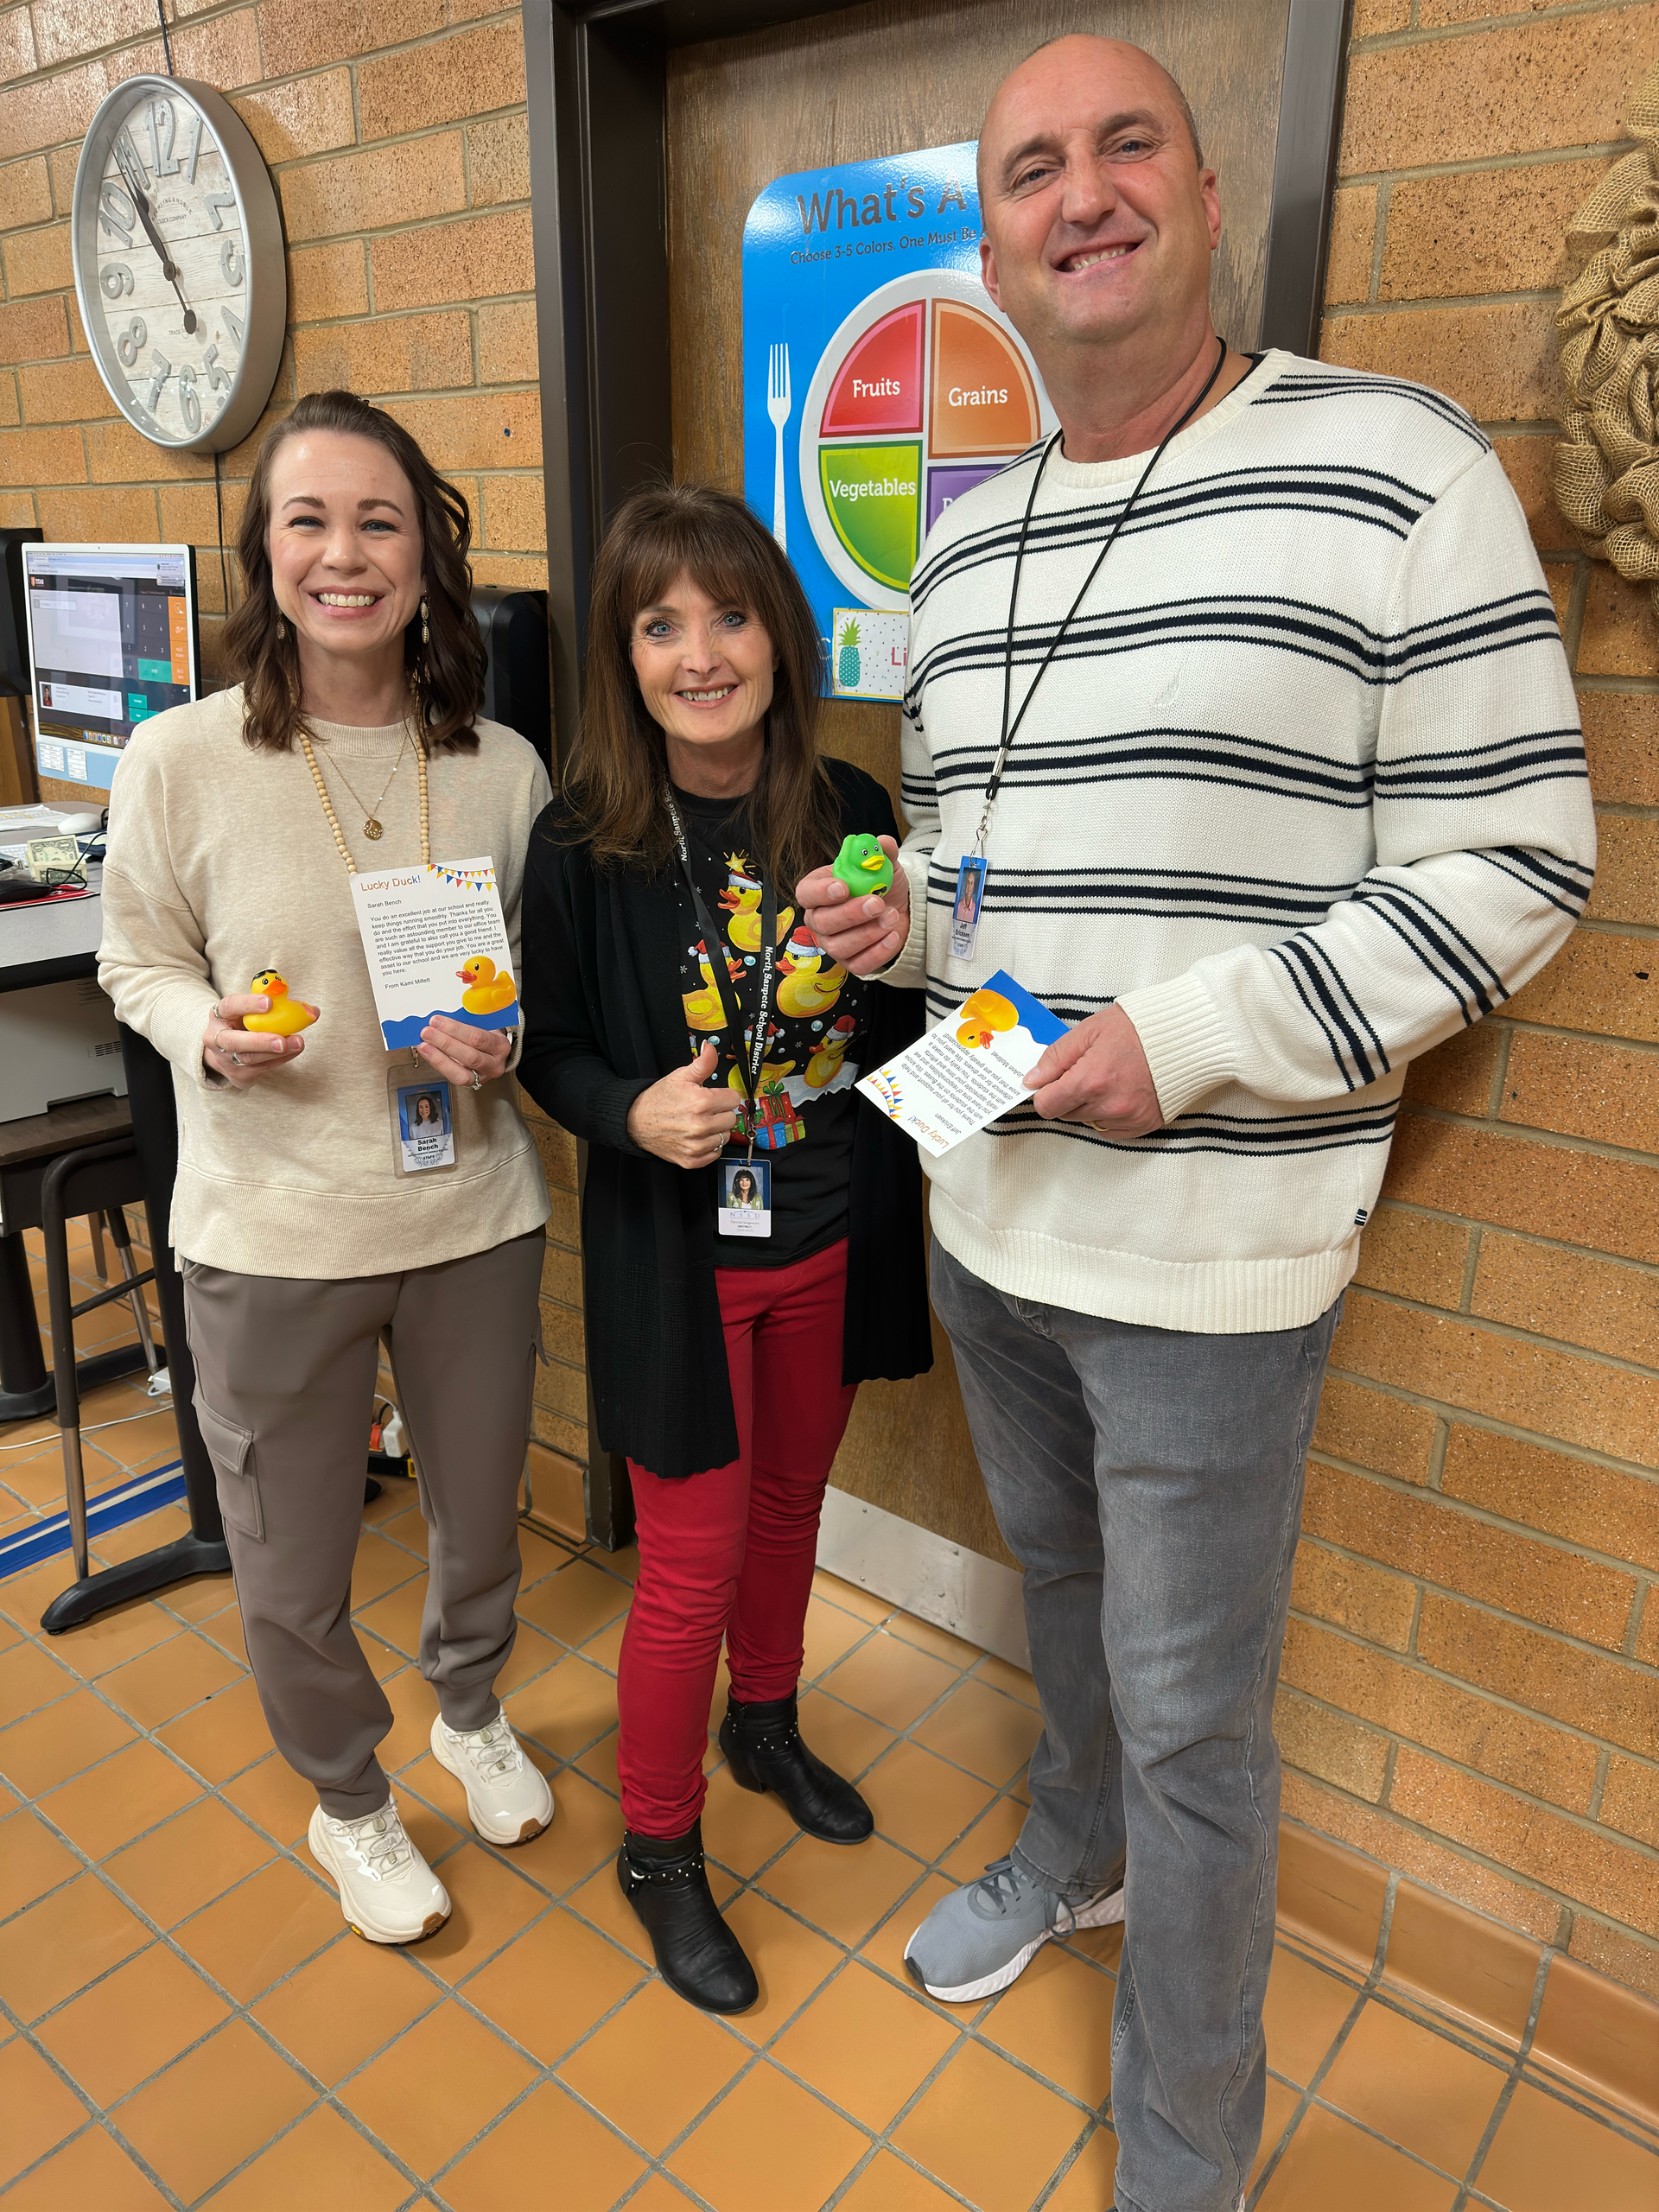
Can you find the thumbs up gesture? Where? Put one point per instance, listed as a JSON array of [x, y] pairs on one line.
[[680, 1119]]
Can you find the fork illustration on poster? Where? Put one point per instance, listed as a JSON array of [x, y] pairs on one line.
[[777, 415], [865, 279]]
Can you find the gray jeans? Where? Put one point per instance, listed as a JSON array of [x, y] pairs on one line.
[[1149, 1482], [285, 1392]]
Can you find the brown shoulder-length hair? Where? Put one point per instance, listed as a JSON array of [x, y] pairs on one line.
[[618, 769], [446, 674]]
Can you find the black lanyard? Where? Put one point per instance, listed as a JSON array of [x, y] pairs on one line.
[[730, 1000], [1009, 733]]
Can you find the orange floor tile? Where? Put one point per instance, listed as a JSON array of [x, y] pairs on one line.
[[184, 2020]]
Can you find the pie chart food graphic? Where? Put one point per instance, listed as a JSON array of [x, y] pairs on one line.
[[922, 392]]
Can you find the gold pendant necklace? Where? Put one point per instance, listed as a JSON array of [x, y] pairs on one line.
[[373, 828]]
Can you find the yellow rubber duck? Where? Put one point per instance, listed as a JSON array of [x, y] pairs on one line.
[[286, 1016], [744, 928], [486, 992]]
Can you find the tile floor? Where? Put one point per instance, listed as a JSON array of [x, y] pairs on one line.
[[184, 2021]]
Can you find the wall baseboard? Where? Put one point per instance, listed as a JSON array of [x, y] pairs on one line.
[[974, 1597]]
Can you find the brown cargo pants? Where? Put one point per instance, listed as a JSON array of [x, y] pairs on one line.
[[285, 1374]]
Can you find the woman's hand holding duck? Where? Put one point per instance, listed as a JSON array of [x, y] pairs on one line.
[[863, 934], [242, 1056], [682, 1121]]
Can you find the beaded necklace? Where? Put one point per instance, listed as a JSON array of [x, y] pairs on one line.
[[333, 820]]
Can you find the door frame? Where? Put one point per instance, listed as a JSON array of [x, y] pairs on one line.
[[597, 91]]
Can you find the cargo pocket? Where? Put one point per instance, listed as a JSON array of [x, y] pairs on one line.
[[231, 1450]]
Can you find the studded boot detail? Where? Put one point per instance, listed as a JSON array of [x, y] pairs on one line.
[[697, 1954], [763, 1747]]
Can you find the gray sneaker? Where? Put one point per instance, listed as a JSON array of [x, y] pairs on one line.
[[983, 1937]]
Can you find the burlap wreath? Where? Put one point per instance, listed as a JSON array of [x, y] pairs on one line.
[[1607, 463]]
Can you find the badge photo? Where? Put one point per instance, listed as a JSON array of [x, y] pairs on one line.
[[745, 1198], [964, 913], [423, 1121]]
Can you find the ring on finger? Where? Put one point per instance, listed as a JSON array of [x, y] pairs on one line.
[[236, 1061]]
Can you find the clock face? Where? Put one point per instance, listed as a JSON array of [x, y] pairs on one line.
[[172, 261]]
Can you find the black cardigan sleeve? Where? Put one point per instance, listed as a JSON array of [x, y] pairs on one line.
[[563, 1065]]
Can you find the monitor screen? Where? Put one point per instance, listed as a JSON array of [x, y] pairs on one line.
[[111, 641]]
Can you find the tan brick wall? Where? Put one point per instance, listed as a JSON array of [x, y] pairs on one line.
[[396, 135], [1472, 1672], [1471, 1690]]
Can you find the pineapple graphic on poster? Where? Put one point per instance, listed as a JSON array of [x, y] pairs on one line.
[[870, 652]]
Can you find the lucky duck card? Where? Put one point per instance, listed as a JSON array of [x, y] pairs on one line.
[[969, 1068], [435, 943]]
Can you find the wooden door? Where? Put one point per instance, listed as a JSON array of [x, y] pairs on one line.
[[878, 80]]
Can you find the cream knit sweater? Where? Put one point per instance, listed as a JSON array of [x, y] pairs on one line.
[[1303, 792], [221, 863]]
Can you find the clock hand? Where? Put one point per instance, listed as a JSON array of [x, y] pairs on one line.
[[169, 268], [169, 271]]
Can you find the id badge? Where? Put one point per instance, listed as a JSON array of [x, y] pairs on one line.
[[423, 1120], [965, 914], [745, 1198]]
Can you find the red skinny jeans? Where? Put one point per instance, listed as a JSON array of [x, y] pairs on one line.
[[730, 1553]]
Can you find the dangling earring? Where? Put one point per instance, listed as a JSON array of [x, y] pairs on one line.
[[279, 629], [426, 635]]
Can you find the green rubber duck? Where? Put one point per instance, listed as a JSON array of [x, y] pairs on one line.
[[861, 864]]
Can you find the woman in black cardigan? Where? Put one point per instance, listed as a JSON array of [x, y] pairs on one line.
[[681, 1020]]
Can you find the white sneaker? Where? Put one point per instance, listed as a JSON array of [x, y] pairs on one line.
[[387, 1891], [507, 1797]]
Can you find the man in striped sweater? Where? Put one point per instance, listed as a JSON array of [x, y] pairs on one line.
[[1300, 792]]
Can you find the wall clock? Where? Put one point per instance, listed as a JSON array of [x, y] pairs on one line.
[[177, 244]]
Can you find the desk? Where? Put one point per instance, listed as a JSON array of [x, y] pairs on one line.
[[56, 941], [27, 1148], [48, 941]]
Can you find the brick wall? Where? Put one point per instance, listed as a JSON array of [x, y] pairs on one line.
[[1473, 1669], [1473, 1660], [396, 135]]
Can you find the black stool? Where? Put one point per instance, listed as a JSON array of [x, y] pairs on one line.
[[203, 1551], [26, 1389], [97, 1180]]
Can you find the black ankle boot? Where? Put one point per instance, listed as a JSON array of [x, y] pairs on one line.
[[697, 1954], [763, 1747]]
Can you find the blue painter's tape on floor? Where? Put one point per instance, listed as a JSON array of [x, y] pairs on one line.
[[110, 1509]]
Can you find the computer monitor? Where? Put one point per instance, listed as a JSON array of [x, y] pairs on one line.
[[111, 641]]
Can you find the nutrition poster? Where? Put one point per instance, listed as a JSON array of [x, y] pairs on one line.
[[878, 384]]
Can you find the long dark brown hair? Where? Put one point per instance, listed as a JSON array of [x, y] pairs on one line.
[[618, 766], [446, 674]]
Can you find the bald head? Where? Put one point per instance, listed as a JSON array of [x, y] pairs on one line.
[[1121, 46], [1100, 219]]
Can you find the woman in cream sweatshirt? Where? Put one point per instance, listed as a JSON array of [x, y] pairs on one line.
[[307, 1231]]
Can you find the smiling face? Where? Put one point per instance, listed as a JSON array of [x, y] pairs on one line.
[[345, 542], [704, 668], [1099, 223]]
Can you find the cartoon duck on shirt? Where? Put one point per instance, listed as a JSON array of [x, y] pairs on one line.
[[825, 1064], [808, 987]]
